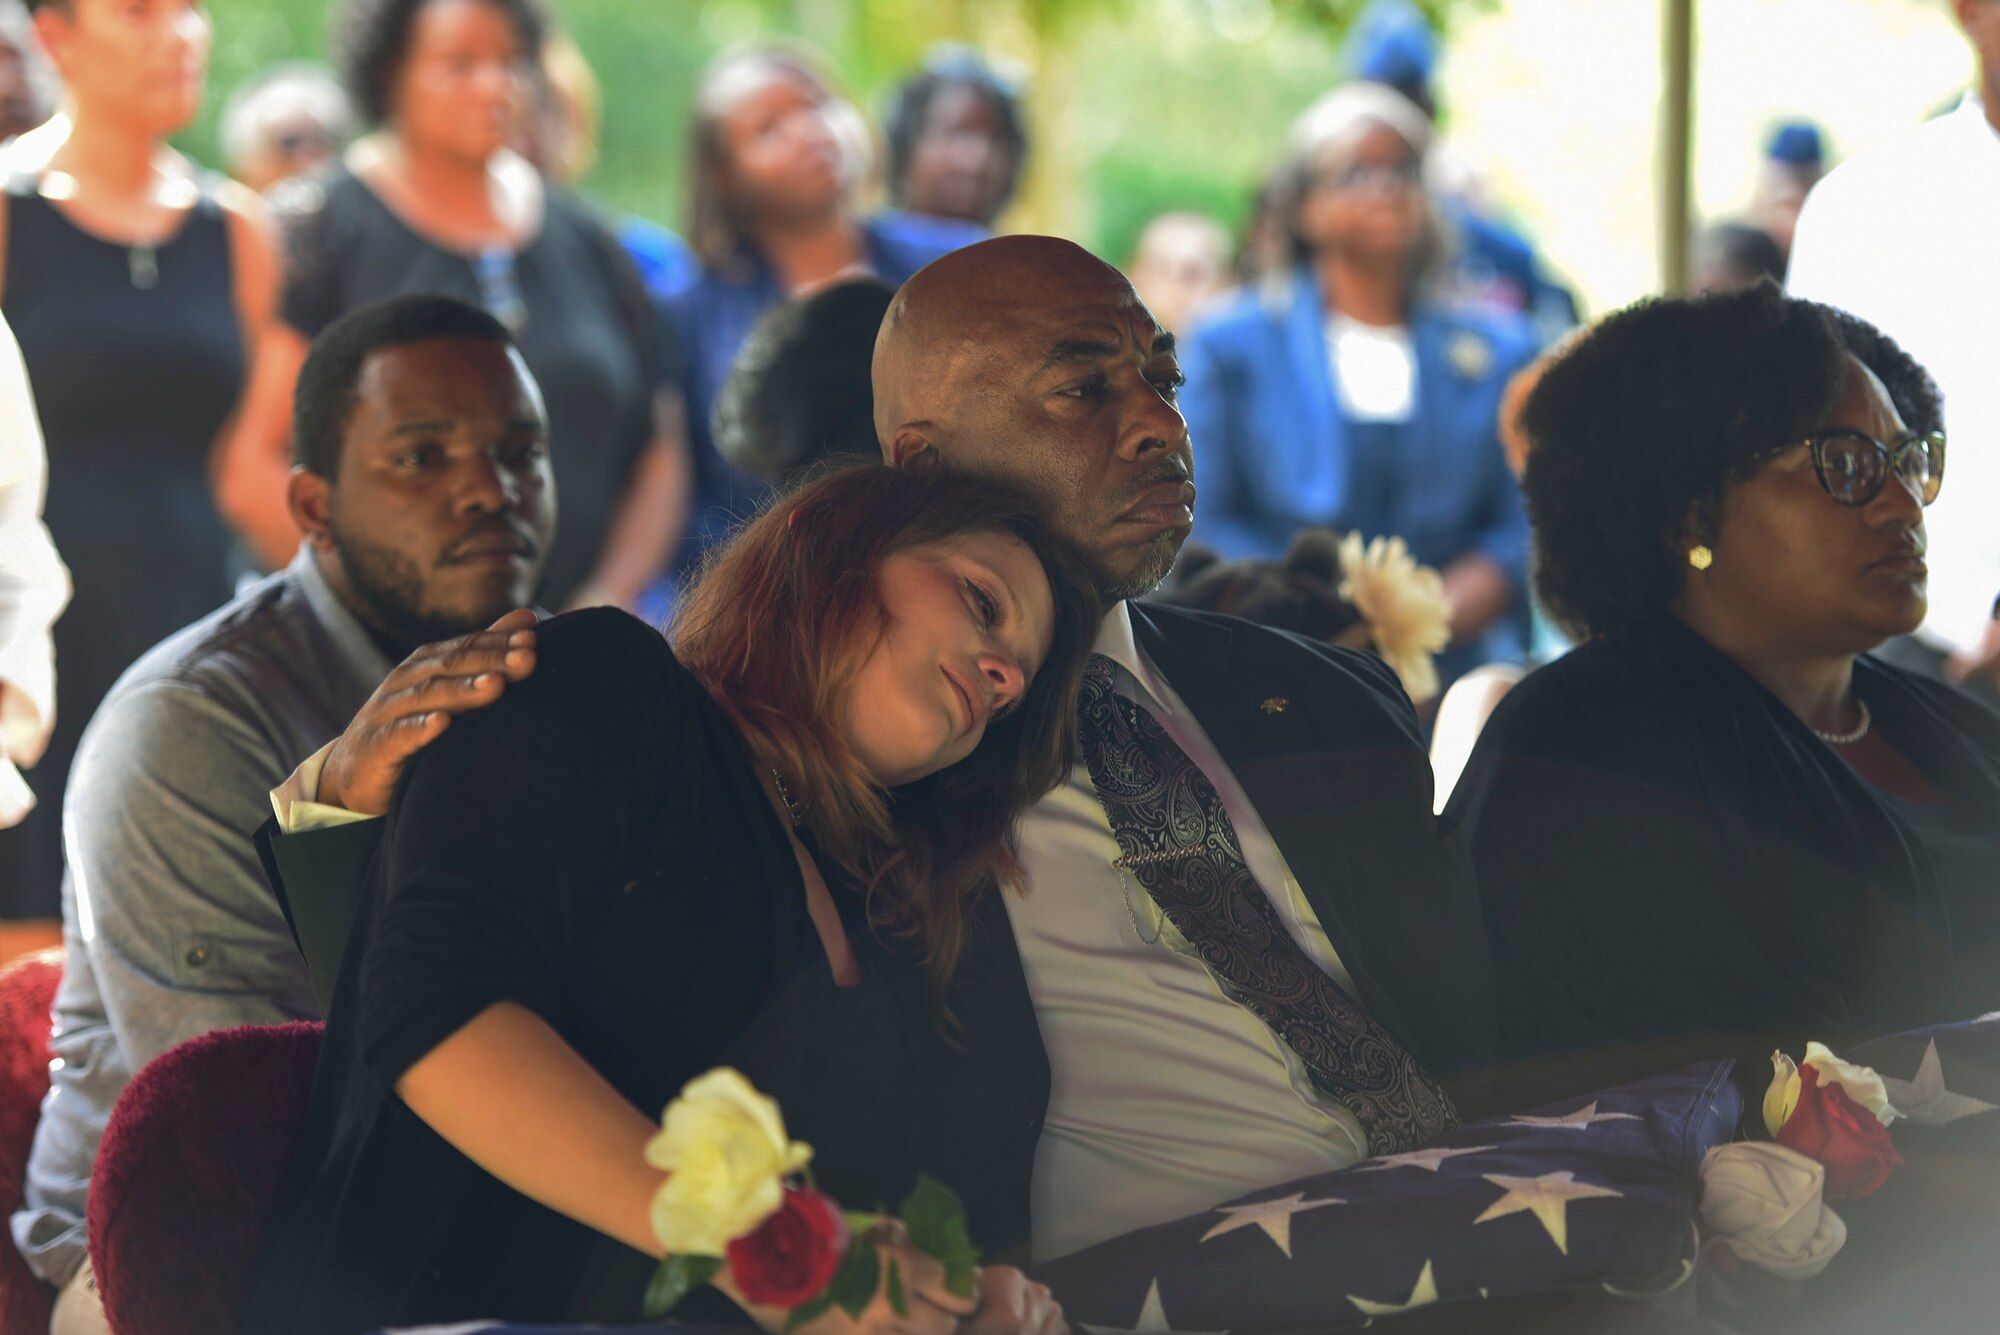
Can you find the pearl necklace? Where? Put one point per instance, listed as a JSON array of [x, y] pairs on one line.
[[1849, 738]]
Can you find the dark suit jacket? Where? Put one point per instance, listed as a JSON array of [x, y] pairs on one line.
[[1327, 747]]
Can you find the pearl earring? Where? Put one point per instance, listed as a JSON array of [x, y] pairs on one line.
[[1700, 557]]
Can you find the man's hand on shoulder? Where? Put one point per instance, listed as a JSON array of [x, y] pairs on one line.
[[416, 702]]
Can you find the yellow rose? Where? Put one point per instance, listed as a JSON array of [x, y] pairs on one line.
[[1859, 1083], [724, 1147]]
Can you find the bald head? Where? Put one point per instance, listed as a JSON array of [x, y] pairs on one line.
[[1029, 357], [992, 301]]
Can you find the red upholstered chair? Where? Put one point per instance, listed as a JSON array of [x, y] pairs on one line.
[[189, 1172], [27, 990]]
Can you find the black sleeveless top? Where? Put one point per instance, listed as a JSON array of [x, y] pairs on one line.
[[132, 385]]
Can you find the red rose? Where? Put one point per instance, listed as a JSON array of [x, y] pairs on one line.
[[1842, 1135], [792, 1255]]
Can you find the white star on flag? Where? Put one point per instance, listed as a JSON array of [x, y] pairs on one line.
[[1152, 1320], [1582, 1117], [1425, 1293], [1428, 1160], [1274, 1217], [1548, 1196], [1926, 1100]]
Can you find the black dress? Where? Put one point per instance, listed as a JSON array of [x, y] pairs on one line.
[[132, 385], [577, 308], [1674, 867], [597, 848]]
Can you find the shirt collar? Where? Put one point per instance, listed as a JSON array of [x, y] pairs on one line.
[[356, 647], [1116, 642]]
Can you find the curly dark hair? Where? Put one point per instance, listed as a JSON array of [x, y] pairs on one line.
[[1298, 593], [799, 391], [371, 39], [1637, 429]]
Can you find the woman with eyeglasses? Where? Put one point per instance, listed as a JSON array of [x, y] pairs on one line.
[[435, 200], [1344, 391], [1719, 826]]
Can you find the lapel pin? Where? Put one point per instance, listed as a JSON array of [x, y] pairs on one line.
[[1274, 705]]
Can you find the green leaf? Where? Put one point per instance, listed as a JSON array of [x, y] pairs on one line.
[[854, 1286], [810, 1311], [898, 1303], [677, 1277], [936, 1220]]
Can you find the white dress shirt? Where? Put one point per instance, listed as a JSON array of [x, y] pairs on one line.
[[1905, 237], [1167, 1097], [34, 586]]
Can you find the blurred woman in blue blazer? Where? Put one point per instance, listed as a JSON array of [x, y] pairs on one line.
[[1348, 393]]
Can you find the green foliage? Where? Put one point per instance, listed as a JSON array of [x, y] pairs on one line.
[[1137, 105], [677, 1277], [936, 1220]]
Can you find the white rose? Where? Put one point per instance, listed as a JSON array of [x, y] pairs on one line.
[[726, 1153], [1859, 1083], [1408, 616]]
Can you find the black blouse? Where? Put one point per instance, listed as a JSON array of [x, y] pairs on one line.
[[1673, 866], [581, 317], [597, 848]]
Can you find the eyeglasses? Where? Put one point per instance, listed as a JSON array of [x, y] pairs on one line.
[[1853, 466], [1376, 176]]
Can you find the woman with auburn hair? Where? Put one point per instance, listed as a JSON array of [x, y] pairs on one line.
[[758, 847]]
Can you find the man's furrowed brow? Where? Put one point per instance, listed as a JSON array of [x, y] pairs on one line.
[[1164, 345], [422, 426], [1073, 350]]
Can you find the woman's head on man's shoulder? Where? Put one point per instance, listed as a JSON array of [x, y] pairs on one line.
[[1751, 462], [904, 647]]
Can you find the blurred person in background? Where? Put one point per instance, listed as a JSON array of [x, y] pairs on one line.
[[435, 199], [1180, 262], [137, 284], [288, 121], [1333, 589], [1730, 255], [561, 140], [27, 85], [1794, 162], [799, 394], [1346, 394], [34, 587], [1720, 825], [1903, 237], [1393, 44], [771, 215], [957, 139]]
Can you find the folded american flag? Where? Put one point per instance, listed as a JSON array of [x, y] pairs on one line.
[[1939, 1075], [1598, 1192]]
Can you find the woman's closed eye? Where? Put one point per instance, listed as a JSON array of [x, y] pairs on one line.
[[988, 607]]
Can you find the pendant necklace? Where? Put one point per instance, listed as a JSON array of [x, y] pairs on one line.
[[142, 262]]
